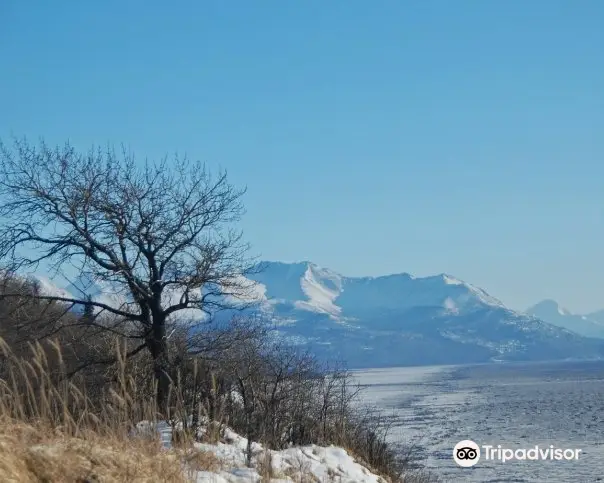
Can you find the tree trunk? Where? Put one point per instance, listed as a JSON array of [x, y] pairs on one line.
[[158, 346], [250, 438], [163, 383]]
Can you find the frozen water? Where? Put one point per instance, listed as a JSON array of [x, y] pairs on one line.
[[514, 405]]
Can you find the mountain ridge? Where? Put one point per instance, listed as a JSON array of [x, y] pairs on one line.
[[399, 319], [426, 288], [588, 325]]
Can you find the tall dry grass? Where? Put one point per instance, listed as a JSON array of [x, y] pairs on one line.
[[36, 392], [51, 431]]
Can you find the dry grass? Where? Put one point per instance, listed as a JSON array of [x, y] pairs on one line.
[[36, 454], [50, 432], [34, 390], [198, 460], [266, 468], [300, 471]]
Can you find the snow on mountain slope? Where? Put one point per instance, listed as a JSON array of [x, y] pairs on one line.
[[322, 288], [48, 288], [102, 292], [478, 293], [117, 295], [405, 320], [309, 287], [281, 281], [306, 286], [590, 325], [403, 291]]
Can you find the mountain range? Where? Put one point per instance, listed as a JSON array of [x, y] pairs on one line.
[[399, 319], [588, 325]]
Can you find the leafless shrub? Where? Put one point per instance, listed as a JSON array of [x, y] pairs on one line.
[[265, 466], [278, 396]]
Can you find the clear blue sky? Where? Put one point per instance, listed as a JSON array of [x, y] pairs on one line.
[[374, 136]]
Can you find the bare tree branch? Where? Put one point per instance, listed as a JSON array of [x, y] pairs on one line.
[[160, 234]]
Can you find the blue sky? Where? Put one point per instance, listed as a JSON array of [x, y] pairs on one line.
[[374, 136]]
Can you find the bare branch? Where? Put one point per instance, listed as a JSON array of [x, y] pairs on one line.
[[148, 230]]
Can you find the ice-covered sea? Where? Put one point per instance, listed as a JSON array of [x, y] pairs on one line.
[[515, 405]]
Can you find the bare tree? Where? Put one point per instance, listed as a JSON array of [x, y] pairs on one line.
[[160, 234]]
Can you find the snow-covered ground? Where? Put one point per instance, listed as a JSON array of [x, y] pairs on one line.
[[297, 464]]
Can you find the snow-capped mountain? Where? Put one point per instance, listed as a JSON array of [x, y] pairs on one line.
[[404, 320], [308, 287], [589, 325], [394, 320]]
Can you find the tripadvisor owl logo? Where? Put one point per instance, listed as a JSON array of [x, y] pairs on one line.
[[466, 453]]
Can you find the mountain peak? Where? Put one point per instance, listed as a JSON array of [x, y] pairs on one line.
[[548, 306], [451, 280], [307, 286], [293, 267], [400, 319], [550, 311]]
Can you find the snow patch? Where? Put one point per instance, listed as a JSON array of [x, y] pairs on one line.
[[450, 305], [451, 280], [304, 463], [49, 289], [321, 287]]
